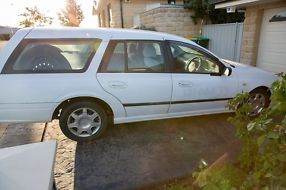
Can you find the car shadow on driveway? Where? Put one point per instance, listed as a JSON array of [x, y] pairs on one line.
[[135, 155]]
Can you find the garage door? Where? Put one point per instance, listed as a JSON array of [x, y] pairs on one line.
[[272, 46]]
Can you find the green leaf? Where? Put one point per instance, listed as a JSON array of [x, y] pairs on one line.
[[268, 175], [250, 126], [272, 135], [282, 157], [260, 140], [268, 121], [283, 123]]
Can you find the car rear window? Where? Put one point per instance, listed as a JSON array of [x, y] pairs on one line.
[[52, 56]]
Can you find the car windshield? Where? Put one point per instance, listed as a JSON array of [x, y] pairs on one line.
[[184, 51]]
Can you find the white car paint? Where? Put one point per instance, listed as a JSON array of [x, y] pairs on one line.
[[34, 97], [250, 77]]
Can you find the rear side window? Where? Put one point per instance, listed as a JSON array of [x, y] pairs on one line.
[[116, 63], [133, 57], [52, 56]]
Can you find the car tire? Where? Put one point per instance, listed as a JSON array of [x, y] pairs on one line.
[[259, 99], [83, 121]]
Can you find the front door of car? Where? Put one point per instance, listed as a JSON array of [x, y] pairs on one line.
[[198, 85], [134, 72]]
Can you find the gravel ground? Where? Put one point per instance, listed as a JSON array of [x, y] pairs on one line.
[[65, 158]]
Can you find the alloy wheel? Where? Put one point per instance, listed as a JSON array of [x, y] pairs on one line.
[[84, 122]]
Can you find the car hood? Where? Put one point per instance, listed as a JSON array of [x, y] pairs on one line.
[[247, 72], [245, 68], [236, 64]]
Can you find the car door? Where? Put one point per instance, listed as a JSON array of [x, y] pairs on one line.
[[135, 73], [198, 85]]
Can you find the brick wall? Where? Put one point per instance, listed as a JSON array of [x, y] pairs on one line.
[[135, 7], [251, 31], [115, 19], [171, 19], [252, 25]]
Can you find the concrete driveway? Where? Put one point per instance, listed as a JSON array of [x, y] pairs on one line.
[[136, 155], [140, 154]]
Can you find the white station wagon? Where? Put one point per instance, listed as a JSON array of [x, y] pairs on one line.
[[88, 77]]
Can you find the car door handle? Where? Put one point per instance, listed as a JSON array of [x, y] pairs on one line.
[[184, 83], [117, 84]]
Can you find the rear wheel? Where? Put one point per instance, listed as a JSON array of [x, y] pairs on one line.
[[83, 121], [259, 99]]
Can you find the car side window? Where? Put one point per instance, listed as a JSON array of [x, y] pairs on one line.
[[51, 56], [134, 56], [189, 59], [117, 60]]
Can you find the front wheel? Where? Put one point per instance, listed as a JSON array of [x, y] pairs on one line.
[[83, 121], [259, 99]]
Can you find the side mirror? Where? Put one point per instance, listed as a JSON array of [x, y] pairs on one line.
[[227, 71]]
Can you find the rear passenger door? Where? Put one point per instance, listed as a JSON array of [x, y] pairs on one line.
[[135, 72]]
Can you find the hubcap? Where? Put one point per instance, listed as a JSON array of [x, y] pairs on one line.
[[257, 102], [84, 122]]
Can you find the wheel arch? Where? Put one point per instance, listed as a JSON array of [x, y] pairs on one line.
[[267, 89], [65, 103]]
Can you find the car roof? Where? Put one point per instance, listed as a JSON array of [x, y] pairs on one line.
[[102, 33]]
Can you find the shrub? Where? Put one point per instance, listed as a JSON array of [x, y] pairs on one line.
[[263, 157]]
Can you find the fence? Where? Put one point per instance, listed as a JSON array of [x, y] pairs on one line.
[[225, 39]]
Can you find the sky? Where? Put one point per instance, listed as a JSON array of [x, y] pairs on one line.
[[11, 9]]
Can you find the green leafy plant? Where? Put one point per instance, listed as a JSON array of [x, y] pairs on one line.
[[262, 163], [226, 176], [264, 152], [203, 9]]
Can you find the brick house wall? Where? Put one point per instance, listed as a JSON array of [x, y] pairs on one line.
[[251, 31], [171, 19], [102, 12], [129, 10]]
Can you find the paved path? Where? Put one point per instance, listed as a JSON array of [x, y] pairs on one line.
[[139, 154], [134, 155], [18, 134]]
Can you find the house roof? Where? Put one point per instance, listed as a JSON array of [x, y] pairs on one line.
[[240, 3], [217, 1], [236, 3]]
